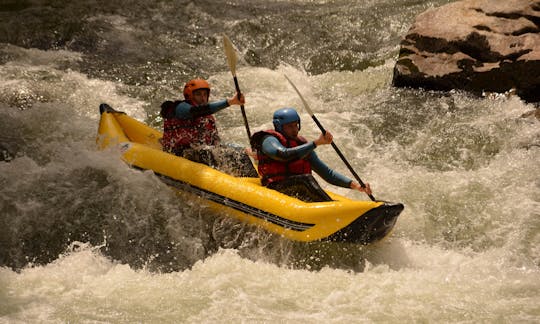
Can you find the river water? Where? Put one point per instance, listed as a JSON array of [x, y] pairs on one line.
[[86, 239]]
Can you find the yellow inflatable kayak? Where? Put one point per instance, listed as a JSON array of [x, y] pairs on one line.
[[342, 219]]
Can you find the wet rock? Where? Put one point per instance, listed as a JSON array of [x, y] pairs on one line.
[[474, 45], [5, 155]]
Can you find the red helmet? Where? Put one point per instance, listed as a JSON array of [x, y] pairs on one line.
[[193, 85]]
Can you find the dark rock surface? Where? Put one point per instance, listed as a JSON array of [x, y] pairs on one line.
[[474, 45]]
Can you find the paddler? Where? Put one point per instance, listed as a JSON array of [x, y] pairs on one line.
[[189, 130], [286, 159]]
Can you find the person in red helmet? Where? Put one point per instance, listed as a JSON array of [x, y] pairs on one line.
[[189, 130], [190, 122]]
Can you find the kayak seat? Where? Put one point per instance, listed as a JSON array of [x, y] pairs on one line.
[[228, 159]]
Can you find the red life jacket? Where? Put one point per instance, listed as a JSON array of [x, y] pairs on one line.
[[272, 170], [179, 134]]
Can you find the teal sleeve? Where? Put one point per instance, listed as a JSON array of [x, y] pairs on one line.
[[184, 110], [328, 174], [275, 150]]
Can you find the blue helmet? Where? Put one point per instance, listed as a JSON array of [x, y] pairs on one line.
[[284, 116]]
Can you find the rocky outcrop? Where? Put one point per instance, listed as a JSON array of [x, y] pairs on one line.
[[474, 45]]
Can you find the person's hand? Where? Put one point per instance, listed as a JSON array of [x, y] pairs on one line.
[[324, 139], [236, 101], [250, 152], [356, 186]]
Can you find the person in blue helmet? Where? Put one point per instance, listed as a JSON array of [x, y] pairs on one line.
[[286, 160]]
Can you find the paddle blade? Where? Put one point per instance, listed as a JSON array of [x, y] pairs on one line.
[[230, 53], [306, 106]]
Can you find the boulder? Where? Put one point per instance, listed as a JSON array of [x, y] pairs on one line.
[[474, 45]]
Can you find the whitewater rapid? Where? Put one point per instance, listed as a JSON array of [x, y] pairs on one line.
[[86, 239]]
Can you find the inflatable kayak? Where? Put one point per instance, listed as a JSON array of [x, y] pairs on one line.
[[342, 219]]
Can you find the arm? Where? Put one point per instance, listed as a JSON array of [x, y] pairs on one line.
[[328, 174], [275, 150], [186, 111]]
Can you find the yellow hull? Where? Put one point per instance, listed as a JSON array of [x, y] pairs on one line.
[[244, 198]]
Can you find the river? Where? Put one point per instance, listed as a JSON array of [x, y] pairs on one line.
[[86, 239]]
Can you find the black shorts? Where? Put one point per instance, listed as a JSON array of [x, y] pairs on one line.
[[303, 187]]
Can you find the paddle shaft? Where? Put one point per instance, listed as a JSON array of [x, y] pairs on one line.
[[230, 52], [242, 106], [338, 151]]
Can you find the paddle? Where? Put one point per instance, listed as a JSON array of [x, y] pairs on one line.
[[310, 112], [231, 59]]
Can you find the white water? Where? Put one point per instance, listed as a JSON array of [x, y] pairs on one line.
[[435, 286], [465, 250]]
